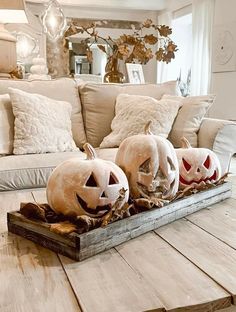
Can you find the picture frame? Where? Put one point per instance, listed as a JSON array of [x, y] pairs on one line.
[[135, 73]]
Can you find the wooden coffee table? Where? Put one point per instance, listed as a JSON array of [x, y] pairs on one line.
[[188, 265]]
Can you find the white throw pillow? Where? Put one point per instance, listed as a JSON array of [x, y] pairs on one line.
[[42, 125], [6, 125], [132, 112], [189, 118]]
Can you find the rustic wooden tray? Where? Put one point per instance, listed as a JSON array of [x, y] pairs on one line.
[[82, 246]]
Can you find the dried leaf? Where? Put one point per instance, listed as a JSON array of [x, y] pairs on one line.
[[159, 54], [150, 39], [124, 50], [102, 48], [32, 211], [63, 228], [164, 30], [147, 23]]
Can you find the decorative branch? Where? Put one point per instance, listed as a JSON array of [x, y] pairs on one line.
[[129, 48]]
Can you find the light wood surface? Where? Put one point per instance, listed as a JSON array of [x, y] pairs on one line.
[[168, 272], [32, 278], [189, 266], [219, 220], [204, 250]]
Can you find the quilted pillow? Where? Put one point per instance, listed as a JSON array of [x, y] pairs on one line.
[[189, 118], [42, 125], [6, 125], [132, 112]]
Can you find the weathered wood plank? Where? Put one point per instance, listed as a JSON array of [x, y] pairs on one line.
[[219, 220], [102, 239], [205, 251], [230, 309], [32, 278], [179, 284], [107, 283], [11, 201]]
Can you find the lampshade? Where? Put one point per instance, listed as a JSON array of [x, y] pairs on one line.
[[12, 11]]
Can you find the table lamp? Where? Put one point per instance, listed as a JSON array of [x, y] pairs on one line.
[[11, 11]]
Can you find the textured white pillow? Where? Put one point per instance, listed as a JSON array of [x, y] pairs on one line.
[[42, 125], [6, 125], [132, 112], [189, 118]]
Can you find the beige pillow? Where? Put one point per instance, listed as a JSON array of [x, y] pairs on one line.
[[42, 125], [98, 103], [63, 89], [6, 125], [132, 114], [189, 118]]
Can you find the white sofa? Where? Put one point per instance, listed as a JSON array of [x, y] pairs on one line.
[[92, 113]]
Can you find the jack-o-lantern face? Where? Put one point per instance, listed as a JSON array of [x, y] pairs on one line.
[[197, 165], [150, 164], [86, 187]]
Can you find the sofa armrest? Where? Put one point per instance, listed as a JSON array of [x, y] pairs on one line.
[[219, 136]]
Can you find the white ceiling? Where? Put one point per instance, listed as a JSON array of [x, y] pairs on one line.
[[153, 5]]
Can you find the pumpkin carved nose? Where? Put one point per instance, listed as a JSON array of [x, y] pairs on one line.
[[198, 169]]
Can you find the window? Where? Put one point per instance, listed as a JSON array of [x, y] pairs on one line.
[[180, 68]]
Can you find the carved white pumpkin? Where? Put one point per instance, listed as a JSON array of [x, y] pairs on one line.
[[86, 186], [197, 165], [150, 164]]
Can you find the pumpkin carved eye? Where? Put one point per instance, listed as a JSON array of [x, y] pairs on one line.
[[113, 179], [91, 181], [144, 167], [187, 166], [207, 162]]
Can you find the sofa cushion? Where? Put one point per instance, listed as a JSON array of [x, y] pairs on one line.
[[133, 112], [30, 171], [42, 125], [107, 153], [6, 125], [63, 89], [189, 118], [98, 102]]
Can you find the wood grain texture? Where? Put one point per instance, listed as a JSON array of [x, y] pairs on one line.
[[107, 283], [11, 201], [179, 284], [101, 239], [205, 251], [219, 220], [230, 309], [32, 278]]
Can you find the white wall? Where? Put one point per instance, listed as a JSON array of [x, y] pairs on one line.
[[224, 83]]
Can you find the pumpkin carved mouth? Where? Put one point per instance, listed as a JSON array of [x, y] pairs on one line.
[[210, 179], [99, 210]]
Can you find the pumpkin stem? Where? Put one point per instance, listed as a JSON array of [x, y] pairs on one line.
[[147, 128], [90, 151], [185, 143]]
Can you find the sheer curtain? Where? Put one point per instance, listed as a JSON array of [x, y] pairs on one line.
[[162, 68], [202, 21]]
